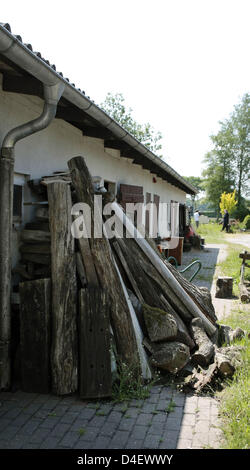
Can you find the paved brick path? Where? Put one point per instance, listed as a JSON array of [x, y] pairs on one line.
[[45, 421], [32, 421]]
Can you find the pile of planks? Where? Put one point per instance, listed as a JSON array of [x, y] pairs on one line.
[[81, 299]]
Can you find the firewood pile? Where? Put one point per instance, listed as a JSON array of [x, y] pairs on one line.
[[83, 298]]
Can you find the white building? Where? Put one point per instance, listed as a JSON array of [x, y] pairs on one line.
[[80, 127]]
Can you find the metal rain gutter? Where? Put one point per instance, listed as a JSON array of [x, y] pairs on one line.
[[13, 48]]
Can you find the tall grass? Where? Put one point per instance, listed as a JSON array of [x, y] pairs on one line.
[[235, 398], [211, 232], [232, 264]]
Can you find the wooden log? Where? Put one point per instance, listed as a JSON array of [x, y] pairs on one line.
[[161, 326], [35, 236], [170, 356], [165, 273], [224, 287], [228, 359], [35, 329], [205, 350], [200, 295], [225, 367], [183, 335], [107, 275], [94, 341], [64, 291], [149, 282], [244, 293]]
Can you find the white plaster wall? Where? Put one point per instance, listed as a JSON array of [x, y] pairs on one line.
[[50, 149]]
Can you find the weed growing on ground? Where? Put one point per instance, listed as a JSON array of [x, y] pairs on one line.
[[171, 406], [130, 384]]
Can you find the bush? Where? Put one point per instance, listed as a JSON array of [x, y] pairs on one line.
[[246, 223], [241, 211]]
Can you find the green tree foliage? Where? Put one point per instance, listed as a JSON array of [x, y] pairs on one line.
[[228, 163], [196, 181], [114, 105]]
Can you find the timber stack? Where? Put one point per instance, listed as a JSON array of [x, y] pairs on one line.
[[89, 304]]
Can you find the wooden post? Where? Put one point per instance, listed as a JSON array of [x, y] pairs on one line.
[[35, 326], [107, 275], [64, 292], [94, 342]]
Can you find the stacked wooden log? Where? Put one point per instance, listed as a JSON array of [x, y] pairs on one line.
[[79, 290]]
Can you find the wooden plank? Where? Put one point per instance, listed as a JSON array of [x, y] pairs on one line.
[[37, 225], [94, 342], [80, 269], [43, 248], [245, 255], [88, 262], [35, 323], [35, 236], [128, 272], [36, 258], [64, 291], [108, 277], [42, 213]]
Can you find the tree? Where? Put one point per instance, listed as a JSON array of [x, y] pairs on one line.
[[198, 183], [114, 105], [228, 163], [228, 202]]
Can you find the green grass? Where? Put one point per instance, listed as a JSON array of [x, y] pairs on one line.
[[231, 266], [211, 232], [235, 398]]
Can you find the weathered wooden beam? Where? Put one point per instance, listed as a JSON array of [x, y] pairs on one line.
[[43, 248], [64, 291], [94, 342], [128, 272], [35, 335], [36, 258], [80, 269], [107, 275], [35, 236]]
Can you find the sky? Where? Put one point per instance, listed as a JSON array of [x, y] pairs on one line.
[[181, 65]]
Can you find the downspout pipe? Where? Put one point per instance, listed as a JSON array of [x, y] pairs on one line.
[[52, 94]]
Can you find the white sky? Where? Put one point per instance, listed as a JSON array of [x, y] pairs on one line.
[[181, 64]]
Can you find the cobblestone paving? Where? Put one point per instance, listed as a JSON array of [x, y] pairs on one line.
[[32, 421], [209, 257]]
